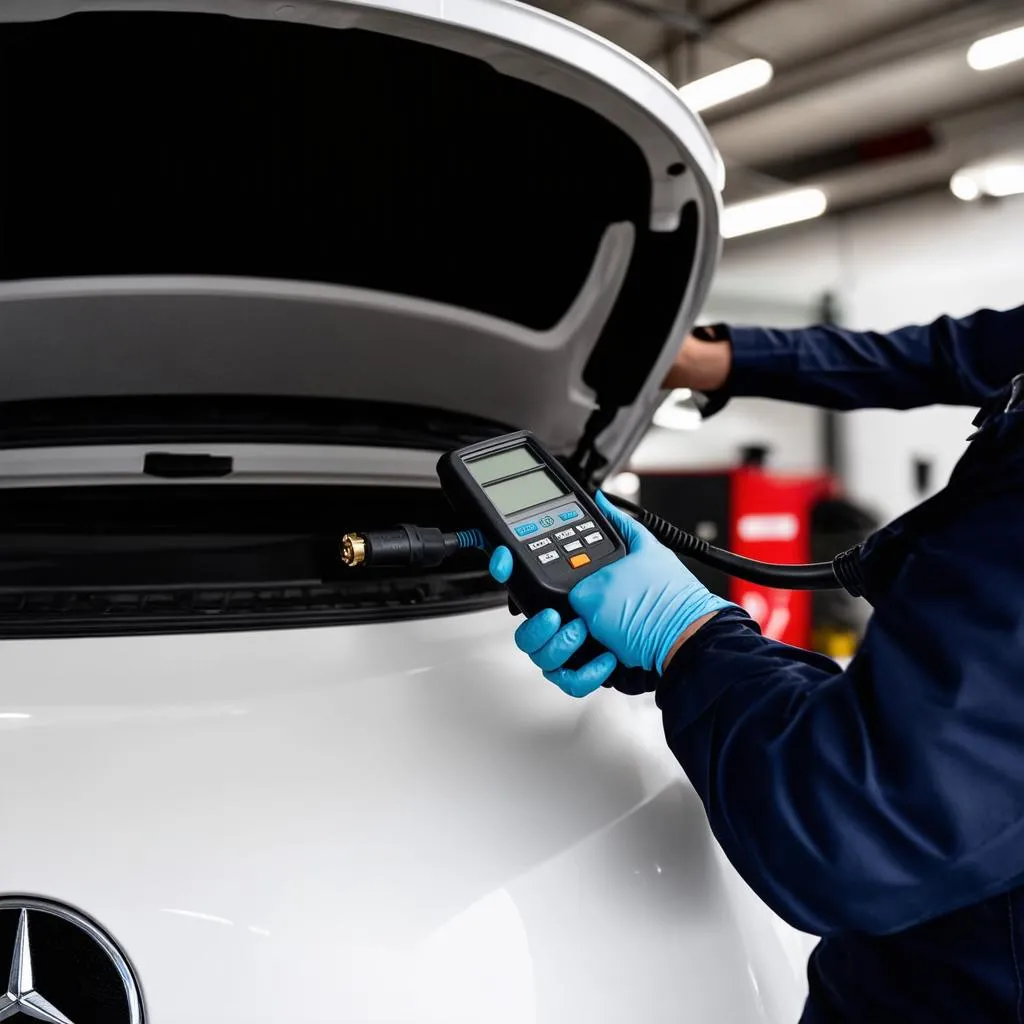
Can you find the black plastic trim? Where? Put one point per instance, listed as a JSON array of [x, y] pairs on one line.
[[179, 466], [237, 419], [64, 622]]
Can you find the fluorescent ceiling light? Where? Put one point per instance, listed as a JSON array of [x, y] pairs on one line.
[[964, 187], [727, 84], [773, 211], [998, 179], [1004, 180], [995, 51]]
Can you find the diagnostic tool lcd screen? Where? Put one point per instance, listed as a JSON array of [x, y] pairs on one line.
[[484, 471], [523, 491]]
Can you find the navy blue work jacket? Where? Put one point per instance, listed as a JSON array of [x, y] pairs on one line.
[[882, 807]]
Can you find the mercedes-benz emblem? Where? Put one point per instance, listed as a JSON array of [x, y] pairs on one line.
[[64, 969]]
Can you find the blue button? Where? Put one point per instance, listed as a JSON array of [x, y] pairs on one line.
[[568, 515], [525, 529], [546, 521]]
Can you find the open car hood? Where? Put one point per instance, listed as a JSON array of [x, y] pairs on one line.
[[468, 206]]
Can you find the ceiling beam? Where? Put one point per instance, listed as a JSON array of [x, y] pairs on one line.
[[961, 136], [713, 23], [965, 124], [939, 187], [736, 11], [692, 26]]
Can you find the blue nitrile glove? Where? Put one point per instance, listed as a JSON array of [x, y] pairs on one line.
[[637, 607]]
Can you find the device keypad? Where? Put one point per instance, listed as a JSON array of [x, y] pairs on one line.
[[564, 542]]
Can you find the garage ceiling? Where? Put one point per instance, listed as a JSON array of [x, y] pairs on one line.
[[872, 100]]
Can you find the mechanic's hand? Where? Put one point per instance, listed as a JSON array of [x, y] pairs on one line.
[[702, 364], [639, 607], [550, 645]]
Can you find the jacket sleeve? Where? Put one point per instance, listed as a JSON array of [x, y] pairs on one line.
[[877, 797], [950, 362]]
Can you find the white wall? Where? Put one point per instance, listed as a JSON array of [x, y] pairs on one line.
[[900, 264]]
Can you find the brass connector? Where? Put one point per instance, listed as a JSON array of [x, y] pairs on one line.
[[353, 549]]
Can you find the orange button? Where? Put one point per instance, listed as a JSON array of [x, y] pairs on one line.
[[579, 560]]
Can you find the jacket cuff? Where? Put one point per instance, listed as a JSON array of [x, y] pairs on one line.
[[692, 681], [762, 362], [711, 402], [758, 356]]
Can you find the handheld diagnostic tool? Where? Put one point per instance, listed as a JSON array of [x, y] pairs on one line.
[[519, 496]]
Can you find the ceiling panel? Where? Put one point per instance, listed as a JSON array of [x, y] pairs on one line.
[[869, 104], [788, 31], [846, 71]]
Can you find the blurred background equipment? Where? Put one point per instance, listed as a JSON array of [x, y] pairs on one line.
[[771, 517]]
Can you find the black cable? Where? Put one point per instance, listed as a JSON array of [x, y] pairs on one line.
[[841, 573], [407, 545]]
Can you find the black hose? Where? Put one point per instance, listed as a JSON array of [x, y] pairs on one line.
[[843, 572], [426, 546]]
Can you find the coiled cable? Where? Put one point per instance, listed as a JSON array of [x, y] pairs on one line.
[[843, 572]]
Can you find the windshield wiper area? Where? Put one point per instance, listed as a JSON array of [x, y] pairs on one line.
[[184, 558]]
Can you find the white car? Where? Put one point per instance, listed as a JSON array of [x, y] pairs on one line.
[[260, 264]]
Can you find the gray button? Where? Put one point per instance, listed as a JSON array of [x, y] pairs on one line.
[[583, 527], [574, 546], [548, 556], [538, 544], [593, 538], [562, 534]]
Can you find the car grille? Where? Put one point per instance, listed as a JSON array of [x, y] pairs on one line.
[[103, 611]]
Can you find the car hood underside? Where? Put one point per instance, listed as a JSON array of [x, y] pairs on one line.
[[340, 201]]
